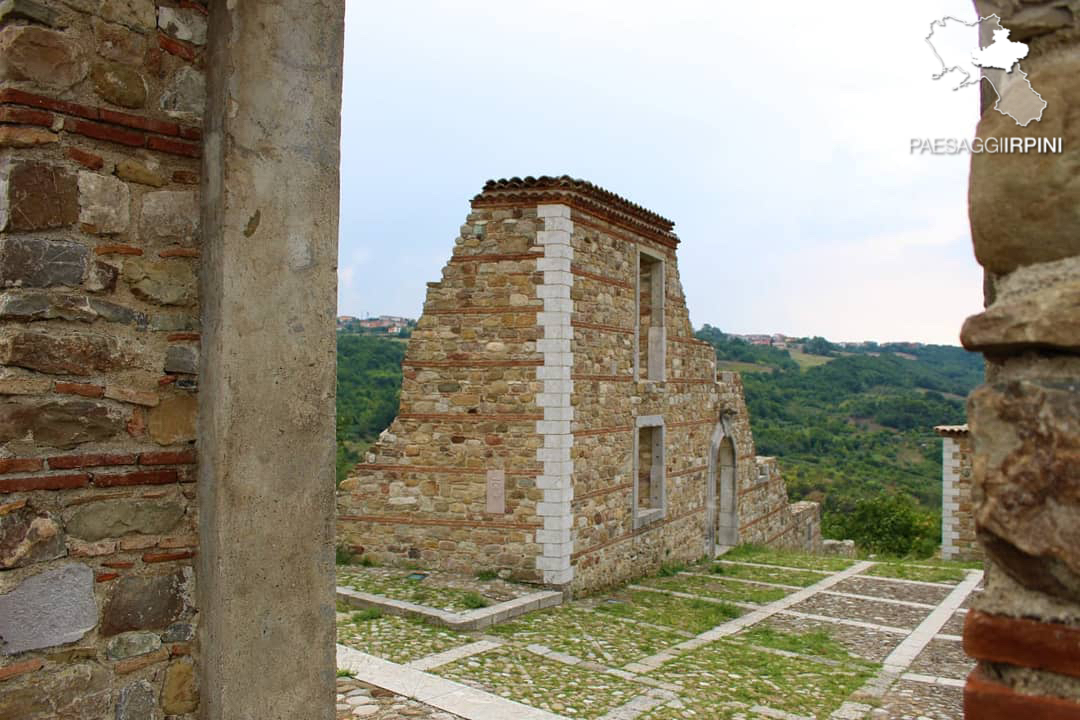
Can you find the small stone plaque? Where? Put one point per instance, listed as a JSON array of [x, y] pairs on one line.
[[496, 492]]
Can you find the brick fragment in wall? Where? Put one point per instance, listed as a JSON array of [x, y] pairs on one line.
[[32, 261], [53, 607], [42, 56], [58, 423], [29, 535], [36, 196]]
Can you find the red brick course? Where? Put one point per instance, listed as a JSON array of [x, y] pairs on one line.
[[1027, 643], [13, 465], [44, 482], [73, 462], [139, 477], [985, 699]]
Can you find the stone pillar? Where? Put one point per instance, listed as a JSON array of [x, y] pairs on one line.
[[1025, 421], [266, 415]]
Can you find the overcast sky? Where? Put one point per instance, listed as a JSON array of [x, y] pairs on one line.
[[775, 135]]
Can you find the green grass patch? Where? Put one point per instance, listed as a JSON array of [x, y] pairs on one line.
[[782, 576], [587, 635], [787, 558], [725, 672], [395, 638], [717, 588], [817, 643], [693, 616], [394, 584], [912, 572], [366, 614], [516, 674], [474, 601], [487, 575]]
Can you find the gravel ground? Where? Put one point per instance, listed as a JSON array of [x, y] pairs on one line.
[[872, 611], [868, 644], [908, 700], [862, 585], [943, 658]]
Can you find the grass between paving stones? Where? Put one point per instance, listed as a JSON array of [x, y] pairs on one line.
[[717, 588], [787, 558], [519, 675], [394, 638], [783, 576], [726, 672], [817, 643], [587, 635], [395, 584], [944, 574], [693, 616]]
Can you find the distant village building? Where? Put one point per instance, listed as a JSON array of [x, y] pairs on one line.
[[559, 422], [958, 540]]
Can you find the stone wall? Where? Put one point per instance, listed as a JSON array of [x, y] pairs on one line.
[[100, 115], [1025, 420], [958, 541], [552, 363]]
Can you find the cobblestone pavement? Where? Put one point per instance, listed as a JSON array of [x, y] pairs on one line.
[[357, 699], [718, 640]]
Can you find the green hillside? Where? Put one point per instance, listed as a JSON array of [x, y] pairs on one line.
[[855, 424], [368, 388]]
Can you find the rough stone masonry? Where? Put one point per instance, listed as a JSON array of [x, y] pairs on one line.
[[559, 422], [144, 575], [1025, 420]]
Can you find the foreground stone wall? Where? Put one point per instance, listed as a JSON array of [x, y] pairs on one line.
[[100, 115], [1025, 421], [559, 422]]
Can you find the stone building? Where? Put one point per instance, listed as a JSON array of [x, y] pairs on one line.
[[958, 540], [558, 418]]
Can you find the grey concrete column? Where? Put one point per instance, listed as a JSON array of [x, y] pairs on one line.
[[266, 403]]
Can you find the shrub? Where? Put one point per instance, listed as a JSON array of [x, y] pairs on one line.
[[891, 524]]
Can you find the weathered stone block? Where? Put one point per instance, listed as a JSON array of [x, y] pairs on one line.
[[1023, 205], [135, 14], [173, 420], [1049, 318], [66, 353], [51, 608], [132, 644], [173, 322], [76, 691], [178, 633], [182, 359], [41, 262], [25, 137], [1027, 480], [115, 42], [138, 701], [144, 603], [169, 215], [30, 10], [179, 694], [116, 518], [135, 171], [185, 94], [45, 57], [119, 84], [171, 282], [104, 203], [58, 423], [28, 535], [34, 196], [102, 277], [183, 24]]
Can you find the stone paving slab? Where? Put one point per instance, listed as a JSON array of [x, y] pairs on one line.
[[955, 625], [437, 692], [931, 594], [871, 611], [472, 620], [871, 645]]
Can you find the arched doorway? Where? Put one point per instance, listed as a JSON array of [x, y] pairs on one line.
[[722, 524]]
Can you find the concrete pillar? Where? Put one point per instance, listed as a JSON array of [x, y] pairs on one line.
[[266, 415]]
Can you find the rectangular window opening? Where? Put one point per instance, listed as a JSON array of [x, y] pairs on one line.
[[649, 497], [651, 336]]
